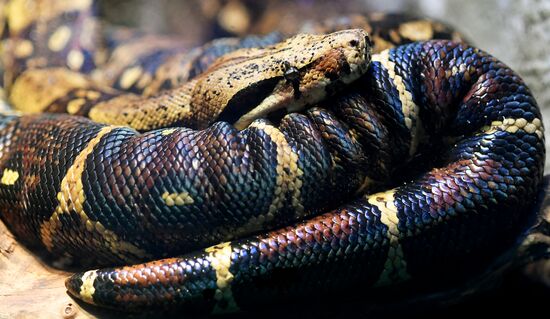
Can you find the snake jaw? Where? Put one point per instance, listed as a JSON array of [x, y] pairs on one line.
[[323, 65]]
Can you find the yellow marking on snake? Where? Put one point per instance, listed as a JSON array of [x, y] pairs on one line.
[[381, 44], [177, 199], [26, 97], [145, 79], [9, 177], [408, 107], [168, 131], [289, 182], [93, 95], [75, 59], [23, 49], [71, 199], [395, 267], [21, 13], [417, 30], [220, 260], [130, 76], [87, 289], [394, 36], [74, 105], [59, 38], [512, 125]]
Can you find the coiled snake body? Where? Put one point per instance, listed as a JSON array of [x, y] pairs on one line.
[[292, 133]]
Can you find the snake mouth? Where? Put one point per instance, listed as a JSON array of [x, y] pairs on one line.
[[245, 100]]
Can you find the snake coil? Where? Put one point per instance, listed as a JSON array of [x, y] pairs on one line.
[[80, 188]]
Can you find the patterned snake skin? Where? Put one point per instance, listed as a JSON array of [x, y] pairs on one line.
[[308, 131]]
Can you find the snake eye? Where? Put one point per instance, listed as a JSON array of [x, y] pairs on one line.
[[291, 73]]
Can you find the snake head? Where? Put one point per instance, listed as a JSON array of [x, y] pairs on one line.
[[301, 71]]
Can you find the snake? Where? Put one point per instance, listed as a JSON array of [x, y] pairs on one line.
[[355, 155]]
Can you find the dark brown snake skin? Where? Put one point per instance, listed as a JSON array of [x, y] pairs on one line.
[[308, 131]]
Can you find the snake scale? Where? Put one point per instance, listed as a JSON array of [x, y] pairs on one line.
[[278, 168]]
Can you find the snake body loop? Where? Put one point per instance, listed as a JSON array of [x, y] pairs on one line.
[[419, 165]]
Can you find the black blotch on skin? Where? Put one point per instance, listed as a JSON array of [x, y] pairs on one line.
[[344, 68], [104, 290], [296, 88], [292, 75], [276, 116], [247, 99], [331, 75], [334, 87]]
